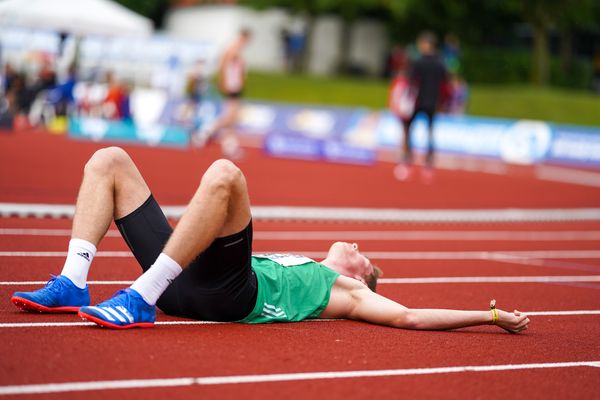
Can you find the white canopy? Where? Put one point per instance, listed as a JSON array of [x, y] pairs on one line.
[[80, 17]]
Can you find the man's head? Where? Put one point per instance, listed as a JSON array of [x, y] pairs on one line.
[[347, 260], [245, 35], [426, 42]]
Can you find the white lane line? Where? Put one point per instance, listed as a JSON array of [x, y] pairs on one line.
[[378, 255], [491, 279], [45, 232], [479, 236], [396, 281], [564, 313], [568, 175], [471, 255], [116, 254], [265, 378], [347, 214], [504, 235], [177, 322]]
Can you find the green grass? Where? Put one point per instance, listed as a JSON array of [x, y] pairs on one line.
[[503, 101]]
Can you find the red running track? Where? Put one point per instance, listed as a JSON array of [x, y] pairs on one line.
[[33, 354], [39, 167]]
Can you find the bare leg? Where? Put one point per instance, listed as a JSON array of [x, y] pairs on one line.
[[220, 207], [112, 187]]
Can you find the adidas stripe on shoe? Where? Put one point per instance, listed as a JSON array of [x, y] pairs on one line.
[[59, 295], [126, 309]]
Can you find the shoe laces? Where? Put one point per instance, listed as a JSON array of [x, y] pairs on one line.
[[52, 284], [119, 293]]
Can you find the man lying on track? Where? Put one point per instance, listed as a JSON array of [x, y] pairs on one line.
[[220, 279]]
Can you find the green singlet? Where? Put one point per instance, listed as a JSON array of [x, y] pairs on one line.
[[290, 288]]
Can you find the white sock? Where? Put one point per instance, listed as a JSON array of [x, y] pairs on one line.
[[155, 281], [79, 258]]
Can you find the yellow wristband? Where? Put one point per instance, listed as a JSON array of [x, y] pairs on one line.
[[495, 315]]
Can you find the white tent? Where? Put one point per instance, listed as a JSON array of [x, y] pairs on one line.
[[80, 17]]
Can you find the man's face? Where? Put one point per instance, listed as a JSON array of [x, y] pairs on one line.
[[347, 254], [424, 46]]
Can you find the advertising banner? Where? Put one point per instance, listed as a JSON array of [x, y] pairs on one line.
[[348, 135]]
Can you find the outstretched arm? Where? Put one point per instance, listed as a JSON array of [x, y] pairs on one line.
[[353, 300]]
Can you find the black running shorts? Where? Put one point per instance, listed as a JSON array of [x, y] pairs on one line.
[[219, 285]]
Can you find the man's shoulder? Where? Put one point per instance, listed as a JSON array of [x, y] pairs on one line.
[[345, 283]]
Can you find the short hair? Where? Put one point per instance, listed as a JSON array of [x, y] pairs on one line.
[[371, 279]]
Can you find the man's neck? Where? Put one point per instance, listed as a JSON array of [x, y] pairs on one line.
[[334, 265]]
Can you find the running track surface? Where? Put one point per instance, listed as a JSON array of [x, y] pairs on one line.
[[558, 357]]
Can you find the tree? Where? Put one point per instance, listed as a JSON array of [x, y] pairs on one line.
[[153, 9], [563, 15]]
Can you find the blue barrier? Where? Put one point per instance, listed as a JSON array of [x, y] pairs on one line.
[[355, 135], [98, 129]]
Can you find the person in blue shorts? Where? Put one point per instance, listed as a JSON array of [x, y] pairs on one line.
[[204, 268]]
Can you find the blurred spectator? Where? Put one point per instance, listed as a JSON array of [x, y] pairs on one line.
[[112, 105], [46, 77], [287, 49], [428, 77], [397, 61], [293, 44], [232, 79], [38, 107], [125, 102], [17, 95], [195, 90], [451, 53], [402, 97], [196, 83], [9, 77], [62, 96], [458, 96]]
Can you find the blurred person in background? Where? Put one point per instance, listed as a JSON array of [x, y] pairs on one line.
[[45, 81], [196, 86], [458, 95], [17, 99], [451, 53], [8, 77], [231, 80], [62, 96], [396, 62], [428, 77], [125, 104], [111, 106], [293, 40]]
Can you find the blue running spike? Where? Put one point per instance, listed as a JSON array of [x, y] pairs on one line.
[[60, 295], [126, 309]]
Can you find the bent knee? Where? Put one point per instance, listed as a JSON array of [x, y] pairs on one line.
[[223, 173], [107, 160]]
